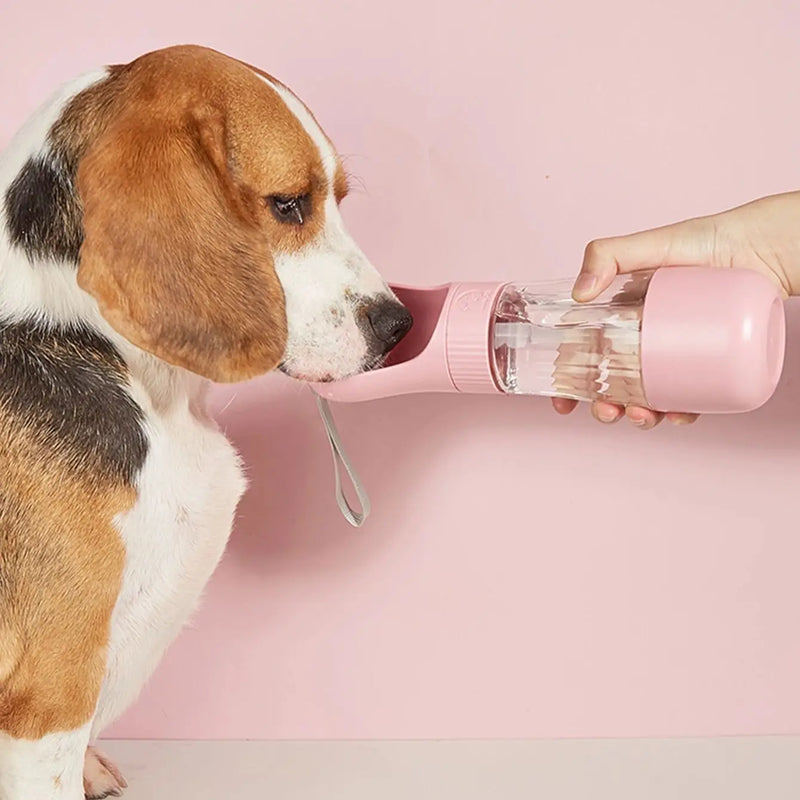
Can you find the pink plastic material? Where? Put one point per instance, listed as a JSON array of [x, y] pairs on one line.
[[447, 350], [712, 340]]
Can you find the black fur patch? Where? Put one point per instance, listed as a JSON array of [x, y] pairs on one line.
[[42, 210], [67, 386]]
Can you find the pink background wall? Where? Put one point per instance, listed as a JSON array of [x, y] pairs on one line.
[[522, 575]]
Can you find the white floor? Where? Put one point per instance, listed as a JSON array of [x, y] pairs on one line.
[[764, 768]]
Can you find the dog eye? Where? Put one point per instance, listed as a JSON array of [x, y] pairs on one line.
[[290, 210]]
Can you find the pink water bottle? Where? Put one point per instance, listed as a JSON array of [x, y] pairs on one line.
[[689, 339]]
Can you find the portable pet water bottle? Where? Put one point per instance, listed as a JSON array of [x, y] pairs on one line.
[[685, 339]]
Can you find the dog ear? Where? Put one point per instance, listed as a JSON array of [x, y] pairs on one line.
[[173, 250]]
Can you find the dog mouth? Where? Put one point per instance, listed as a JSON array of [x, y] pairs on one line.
[[370, 363]]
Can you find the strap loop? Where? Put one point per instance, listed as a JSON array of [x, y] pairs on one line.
[[340, 459]]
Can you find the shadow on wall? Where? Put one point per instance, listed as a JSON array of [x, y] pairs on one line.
[[404, 448]]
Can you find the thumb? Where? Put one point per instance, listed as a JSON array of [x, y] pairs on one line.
[[681, 244]]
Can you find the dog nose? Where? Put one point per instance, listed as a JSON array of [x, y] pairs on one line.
[[390, 322]]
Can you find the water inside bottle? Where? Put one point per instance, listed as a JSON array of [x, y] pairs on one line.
[[547, 344]]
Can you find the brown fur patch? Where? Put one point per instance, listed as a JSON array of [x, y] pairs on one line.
[[61, 564], [340, 185], [266, 148]]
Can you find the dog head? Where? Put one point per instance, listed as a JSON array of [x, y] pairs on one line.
[[212, 235]]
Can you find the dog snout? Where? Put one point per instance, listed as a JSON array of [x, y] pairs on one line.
[[390, 321]]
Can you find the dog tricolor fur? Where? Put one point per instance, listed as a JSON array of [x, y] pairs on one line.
[[164, 224]]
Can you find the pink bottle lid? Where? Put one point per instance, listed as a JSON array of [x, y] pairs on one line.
[[447, 350], [713, 340]]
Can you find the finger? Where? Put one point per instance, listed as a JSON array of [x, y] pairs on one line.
[[643, 418], [607, 413], [682, 419], [564, 406], [683, 243]]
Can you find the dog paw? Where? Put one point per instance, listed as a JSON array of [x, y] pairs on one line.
[[101, 778]]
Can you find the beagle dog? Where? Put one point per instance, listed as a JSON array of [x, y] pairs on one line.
[[163, 224]]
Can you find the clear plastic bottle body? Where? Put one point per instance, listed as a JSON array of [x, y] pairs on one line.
[[544, 343]]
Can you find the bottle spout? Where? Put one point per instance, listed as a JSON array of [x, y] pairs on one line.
[[446, 350]]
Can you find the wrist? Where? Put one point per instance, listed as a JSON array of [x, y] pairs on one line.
[[763, 236]]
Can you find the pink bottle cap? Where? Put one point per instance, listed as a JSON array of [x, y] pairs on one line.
[[713, 340], [447, 350]]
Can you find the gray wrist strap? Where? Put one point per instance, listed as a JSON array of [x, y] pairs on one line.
[[340, 459]]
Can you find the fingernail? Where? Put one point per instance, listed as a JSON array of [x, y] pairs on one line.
[[639, 423], [607, 416], [584, 286]]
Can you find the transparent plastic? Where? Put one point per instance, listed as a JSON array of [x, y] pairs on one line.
[[544, 343]]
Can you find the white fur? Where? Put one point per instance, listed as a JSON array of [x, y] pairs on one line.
[[192, 479], [50, 768], [175, 536]]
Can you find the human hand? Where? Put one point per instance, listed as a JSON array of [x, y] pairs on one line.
[[763, 235]]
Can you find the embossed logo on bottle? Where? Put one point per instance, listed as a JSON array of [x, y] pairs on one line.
[[473, 299]]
